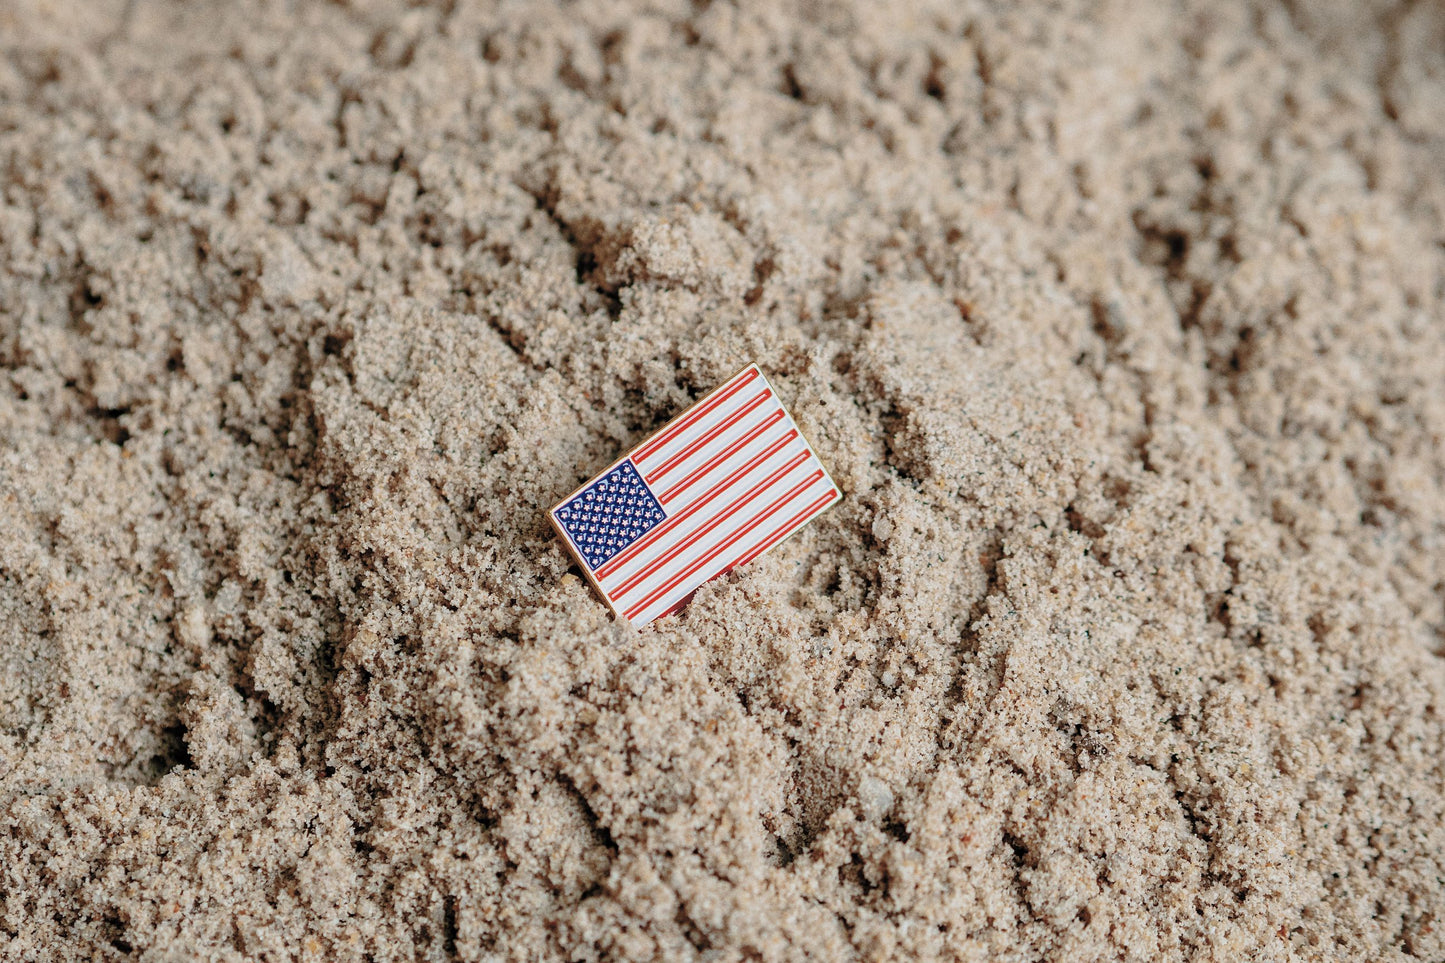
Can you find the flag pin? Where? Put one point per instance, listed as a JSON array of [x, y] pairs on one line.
[[714, 488]]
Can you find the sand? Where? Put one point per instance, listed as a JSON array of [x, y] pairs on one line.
[[1121, 326]]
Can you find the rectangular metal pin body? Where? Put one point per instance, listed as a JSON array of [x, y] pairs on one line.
[[714, 488]]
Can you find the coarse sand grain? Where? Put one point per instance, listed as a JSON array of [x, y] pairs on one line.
[[1120, 325]]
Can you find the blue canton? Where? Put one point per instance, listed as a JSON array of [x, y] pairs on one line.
[[610, 514]]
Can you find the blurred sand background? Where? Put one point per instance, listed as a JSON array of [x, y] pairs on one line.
[[1122, 327]]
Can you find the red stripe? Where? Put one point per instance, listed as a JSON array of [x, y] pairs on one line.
[[715, 521], [689, 511], [721, 457], [717, 399], [799, 518], [726, 543], [708, 436]]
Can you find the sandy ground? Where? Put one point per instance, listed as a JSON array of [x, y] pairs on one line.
[[1121, 326]]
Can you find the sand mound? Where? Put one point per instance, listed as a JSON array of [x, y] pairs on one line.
[[1121, 327]]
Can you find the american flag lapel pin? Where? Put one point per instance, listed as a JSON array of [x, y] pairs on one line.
[[714, 488]]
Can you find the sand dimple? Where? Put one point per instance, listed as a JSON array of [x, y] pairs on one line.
[[1122, 331]]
